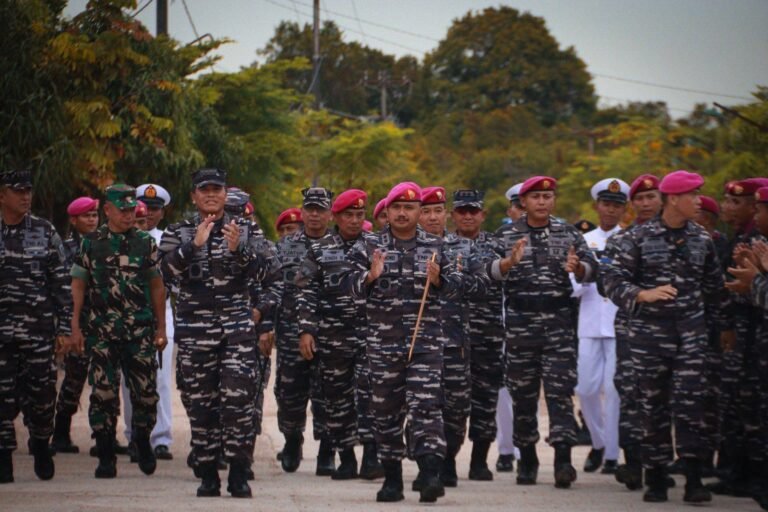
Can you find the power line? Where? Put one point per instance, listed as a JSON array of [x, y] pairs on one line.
[[671, 87], [625, 100], [359, 24], [296, 9], [138, 11], [189, 17]]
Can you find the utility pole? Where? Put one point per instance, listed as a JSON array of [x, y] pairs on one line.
[[382, 82], [162, 17], [316, 53]]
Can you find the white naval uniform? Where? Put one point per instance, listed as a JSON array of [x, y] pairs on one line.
[[162, 434], [597, 358]]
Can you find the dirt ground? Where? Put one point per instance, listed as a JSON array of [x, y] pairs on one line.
[[173, 485]]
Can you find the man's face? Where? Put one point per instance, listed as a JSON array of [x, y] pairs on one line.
[[287, 229], [403, 215], [687, 205], [647, 204], [350, 222], [141, 223], [154, 215], [761, 218], [738, 210], [16, 201], [119, 220], [468, 219], [315, 217], [85, 222], [381, 218], [209, 199], [609, 213], [514, 211], [432, 218], [707, 219], [539, 204]]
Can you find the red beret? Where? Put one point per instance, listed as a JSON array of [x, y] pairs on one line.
[[367, 226], [432, 195], [746, 187], [141, 209], [709, 205], [379, 207], [289, 216], [82, 205], [680, 182], [249, 209], [643, 183], [761, 195], [352, 198], [405, 191], [538, 183]]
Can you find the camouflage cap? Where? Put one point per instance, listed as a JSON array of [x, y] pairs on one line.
[[121, 195], [466, 198], [236, 201], [16, 179], [203, 177], [317, 196]]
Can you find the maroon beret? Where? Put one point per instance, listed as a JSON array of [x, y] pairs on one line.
[[643, 183], [289, 216], [432, 195], [538, 183], [680, 182], [352, 198], [708, 204]]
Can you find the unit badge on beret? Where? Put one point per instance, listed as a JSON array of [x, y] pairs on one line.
[[614, 186], [757, 195], [647, 183], [738, 189], [293, 217], [410, 194], [545, 184], [439, 195], [360, 203]]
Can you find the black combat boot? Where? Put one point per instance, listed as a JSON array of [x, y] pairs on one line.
[[370, 467], [478, 464], [44, 468], [6, 466], [448, 471], [505, 463], [105, 450], [292, 452], [631, 472], [392, 490], [431, 486], [594, 460], [656, 481], [565, 473], [62, 442], [146, 457], [210, 486], [326, 459], [237, 482], [528, 467], [347, 470], [695, 492]]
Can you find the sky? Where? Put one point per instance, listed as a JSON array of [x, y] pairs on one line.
[[700, 51]]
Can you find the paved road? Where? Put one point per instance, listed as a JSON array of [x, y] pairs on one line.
[[172, 487]]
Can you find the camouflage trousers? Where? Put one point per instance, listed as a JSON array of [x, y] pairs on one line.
[[296, 381], [263, 370], [630, 421], [669, 358], [347, 395], [552, 364], [27, 380], [401, 389], [456, 392], [75, 375], [219, 382], [712, 368], [136, 358], [487, 374]]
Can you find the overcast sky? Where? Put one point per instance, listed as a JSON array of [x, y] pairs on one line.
[[714, 46]]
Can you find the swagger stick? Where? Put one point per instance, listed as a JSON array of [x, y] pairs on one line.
[[421, 311]]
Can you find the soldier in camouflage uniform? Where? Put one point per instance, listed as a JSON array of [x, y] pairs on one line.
[[35, 306], [297, 379], [486, 335], [664, 276], [83, 218], [330, 326], [393, 267], [117, 266], [540, 341], [457, 381], [213, 257]]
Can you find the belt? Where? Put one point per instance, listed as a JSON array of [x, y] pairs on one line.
[[541, 304]]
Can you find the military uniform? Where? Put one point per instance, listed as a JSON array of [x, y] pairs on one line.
[[35, 305], [117, 269]]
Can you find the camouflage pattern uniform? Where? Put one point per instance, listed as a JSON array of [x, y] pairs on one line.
[[297, 379], [540, 340], [400, 387], [35, 305], [117, 269], [215, 333], [337, 322], [668, 339]]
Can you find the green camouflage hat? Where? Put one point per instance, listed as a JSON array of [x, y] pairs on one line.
[[121, 195]]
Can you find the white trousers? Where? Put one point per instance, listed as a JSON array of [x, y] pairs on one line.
[[163, 431], [597, 393], [504, 424]]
